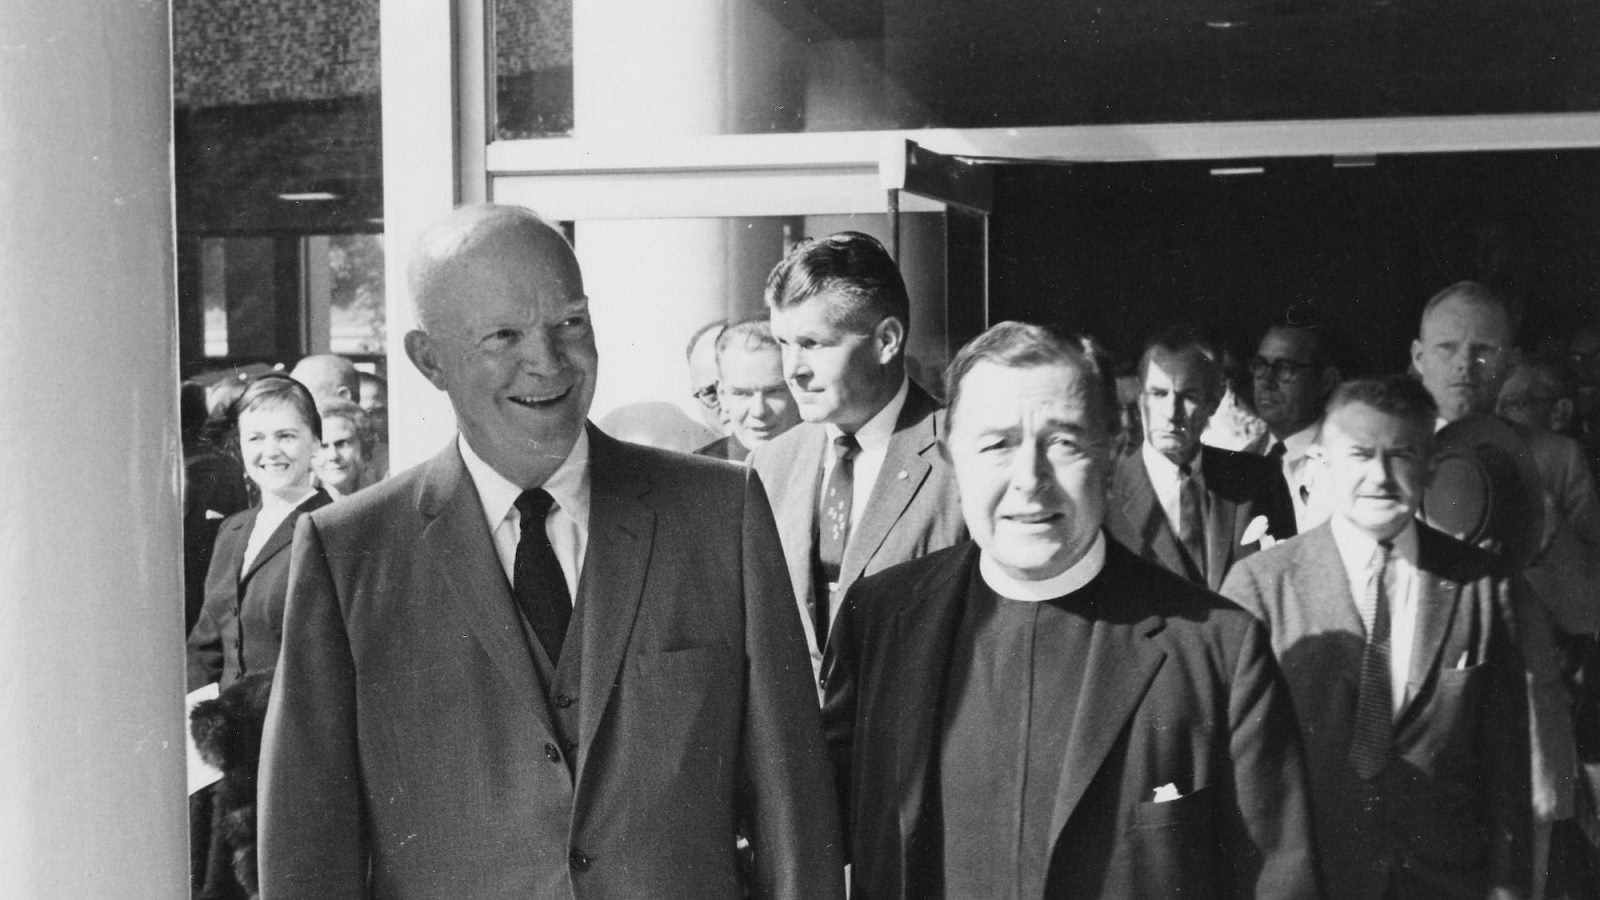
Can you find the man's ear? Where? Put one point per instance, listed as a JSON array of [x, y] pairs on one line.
[[889, 338], [1416, 355], [1561, 414], [423, 355], [1330, 380]]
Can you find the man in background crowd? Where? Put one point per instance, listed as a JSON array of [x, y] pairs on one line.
[[1397, 644], [328, 375], [751, 392], [375, 402], [1293, 376], [862, 484], [1192, 509], [701, 356]]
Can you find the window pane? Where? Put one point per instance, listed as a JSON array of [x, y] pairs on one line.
[[356, 312], [533, 68]]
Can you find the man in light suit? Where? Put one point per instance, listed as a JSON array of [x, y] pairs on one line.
[[1192, 509], [861, 483], [1040, 713], [1398, 645], [448, 723]]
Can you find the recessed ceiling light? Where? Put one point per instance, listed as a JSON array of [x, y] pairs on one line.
[[1223, 24], [308, 197], [1239, 170]]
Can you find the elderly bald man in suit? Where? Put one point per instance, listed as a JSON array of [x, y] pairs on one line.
[[546, 662]]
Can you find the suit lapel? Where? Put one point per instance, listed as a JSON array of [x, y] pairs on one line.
[[233, 538], [1437, 602], [281, 536], [796, 512], [903, 472], [621, 536], [459, 543], [1143, 511], [1319, 572], [1122, 662], [1221, 516]]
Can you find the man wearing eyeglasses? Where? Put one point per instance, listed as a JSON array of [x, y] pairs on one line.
[[701, 354], [1293, 377]]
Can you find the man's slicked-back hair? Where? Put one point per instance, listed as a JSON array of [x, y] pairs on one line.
[[1019, 345], [459, 233], [1396, 395], [855, 267], [1181, 338], [1480, 294], [749, 335], [276, 390]]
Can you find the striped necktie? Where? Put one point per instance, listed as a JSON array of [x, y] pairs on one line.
[[1369, 744]]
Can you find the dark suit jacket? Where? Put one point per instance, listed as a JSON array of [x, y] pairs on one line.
[[1449, 817], [726, 447], [1180, 688], [409, 731], [241, 624], [913, 509], [1238, 486]]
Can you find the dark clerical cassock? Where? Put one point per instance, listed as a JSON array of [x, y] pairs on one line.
[[1013, 689]]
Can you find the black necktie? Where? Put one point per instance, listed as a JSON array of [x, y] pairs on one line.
[[1191, 522], [537, 582], [1276, 453], [833, 521], [1369, 744]]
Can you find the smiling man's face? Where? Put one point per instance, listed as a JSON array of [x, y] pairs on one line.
[[1376, 466], [508, 337]]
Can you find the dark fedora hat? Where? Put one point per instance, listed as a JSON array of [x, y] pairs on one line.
[[1486, 489]]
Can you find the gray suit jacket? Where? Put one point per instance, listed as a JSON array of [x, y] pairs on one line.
[[410, 750], [1450, 815], [913, 508]]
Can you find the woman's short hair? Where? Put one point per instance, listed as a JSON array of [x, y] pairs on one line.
[[274, 390]]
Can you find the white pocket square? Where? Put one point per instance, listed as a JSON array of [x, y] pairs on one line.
[[1166, 793], [1257, 531]]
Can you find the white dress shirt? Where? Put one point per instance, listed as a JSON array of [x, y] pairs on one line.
[[1163, 474], [874, 440], [1400, 586], [1076, 576], [568, 522], [1308, 513], [273, 512]]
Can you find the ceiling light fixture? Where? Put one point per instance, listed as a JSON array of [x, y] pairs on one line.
[[308, 197], [1239, 170]]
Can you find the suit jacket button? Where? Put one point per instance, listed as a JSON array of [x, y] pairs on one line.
[[551, 753], [578, 861], [563, 701]]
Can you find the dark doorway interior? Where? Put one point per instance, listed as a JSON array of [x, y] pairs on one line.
[[1118, 250]]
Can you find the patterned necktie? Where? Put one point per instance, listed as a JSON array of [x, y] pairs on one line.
[[1191, 522], [833, 520], [538, 582], [1369, 744]]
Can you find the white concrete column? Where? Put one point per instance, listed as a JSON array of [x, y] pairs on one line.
[[653, 282], [91, 606]]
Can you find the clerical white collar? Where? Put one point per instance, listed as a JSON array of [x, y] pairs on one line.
[[1075, 577]]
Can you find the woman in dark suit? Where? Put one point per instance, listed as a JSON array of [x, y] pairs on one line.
[[241, 626]]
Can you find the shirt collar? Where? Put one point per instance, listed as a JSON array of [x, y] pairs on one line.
[[1356, 547], [1295, 445], [1159, 467], [1073, 579], [876, 432], [568, 484], [273, 508]]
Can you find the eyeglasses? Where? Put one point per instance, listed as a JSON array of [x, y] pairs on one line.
[[1281, 369], [707, 395]]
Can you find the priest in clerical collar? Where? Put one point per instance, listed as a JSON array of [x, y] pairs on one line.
[[1039, 713]]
